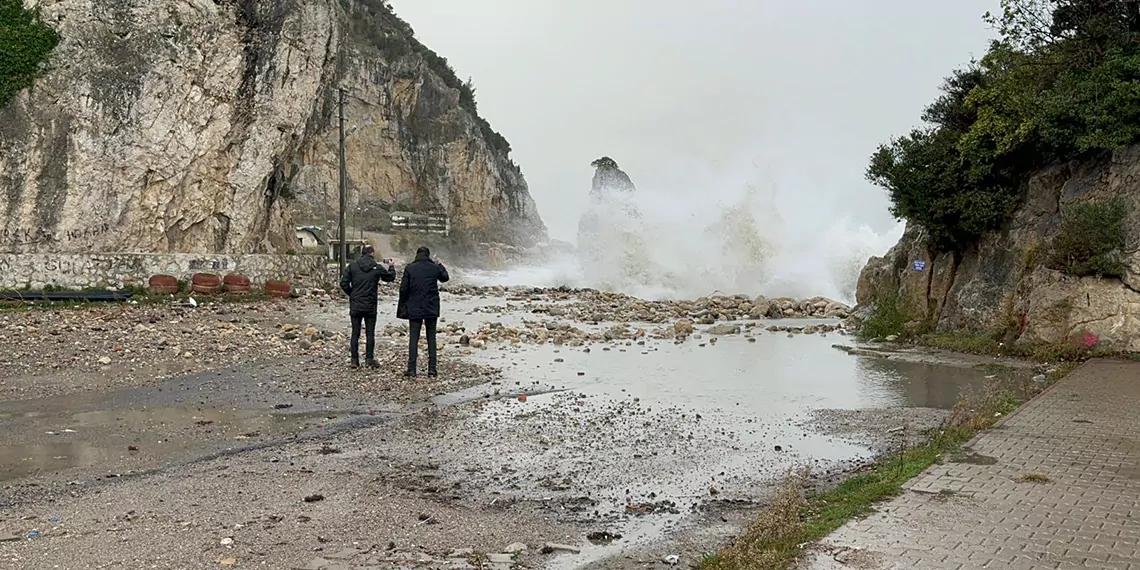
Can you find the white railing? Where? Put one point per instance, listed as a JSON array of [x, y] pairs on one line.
[[422, 223]]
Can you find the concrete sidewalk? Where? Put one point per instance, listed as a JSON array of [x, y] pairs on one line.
[[1083, 434]]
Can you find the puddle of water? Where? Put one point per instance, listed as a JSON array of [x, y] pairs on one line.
[[775, 376], [186, 417], [101, 436], [24, 460], [752, 396]]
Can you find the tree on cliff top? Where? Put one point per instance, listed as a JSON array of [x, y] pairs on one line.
[[25, 43], [1061, 82], [605, 162]]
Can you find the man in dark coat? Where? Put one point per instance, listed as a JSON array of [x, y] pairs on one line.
[[419, 304], [360, 281]]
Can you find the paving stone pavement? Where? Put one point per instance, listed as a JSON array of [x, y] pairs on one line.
[[1083, 435]]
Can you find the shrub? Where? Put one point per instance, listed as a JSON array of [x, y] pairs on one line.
[[25, 44], [1091, 240], [1060, 83], [887, 317]]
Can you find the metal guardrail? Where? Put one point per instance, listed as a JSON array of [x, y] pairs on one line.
[[422, 223]]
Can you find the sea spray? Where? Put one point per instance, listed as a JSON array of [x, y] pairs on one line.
[[677, 245]]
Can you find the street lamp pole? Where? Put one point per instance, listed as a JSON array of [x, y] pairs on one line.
[[343, 186]]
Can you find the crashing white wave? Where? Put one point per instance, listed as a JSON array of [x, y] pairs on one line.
[[684, 245]]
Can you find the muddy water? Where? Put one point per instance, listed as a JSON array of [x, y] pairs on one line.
[[752, 399], [179, 418], [128, 439], [640, 424]]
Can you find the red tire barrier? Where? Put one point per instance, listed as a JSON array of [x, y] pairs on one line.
[[163, 284], [278, 288], [205, 283], [234, 283]]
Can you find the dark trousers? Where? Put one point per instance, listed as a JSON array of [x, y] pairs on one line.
[[369, 321], [414, 343]]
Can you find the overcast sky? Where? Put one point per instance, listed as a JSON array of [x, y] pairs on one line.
[[790, 94]]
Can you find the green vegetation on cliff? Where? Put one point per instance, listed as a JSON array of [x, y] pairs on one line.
[[1061, 82], [1091, 240], [25, 44], [382, 20]]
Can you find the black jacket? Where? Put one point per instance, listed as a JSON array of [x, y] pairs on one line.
[[361, 279], [419, 289]]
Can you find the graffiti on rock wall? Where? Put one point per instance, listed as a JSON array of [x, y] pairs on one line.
[[211, 264], [36, 236], [108, 265]]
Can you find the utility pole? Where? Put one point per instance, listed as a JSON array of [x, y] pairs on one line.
[[343, 186]]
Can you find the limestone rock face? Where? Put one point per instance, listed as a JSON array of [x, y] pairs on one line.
[[1002, 285], [211, 126]]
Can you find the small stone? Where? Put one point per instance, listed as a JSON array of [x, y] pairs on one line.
[[515, 547], [723, 329], [227, 541], [461, 553], [672, 560], [500, 558], [105, 360], [554, 546], [345, 554]]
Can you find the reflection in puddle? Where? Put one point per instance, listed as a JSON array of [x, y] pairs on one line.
[[161, 433], [757, 393], [24, 460]]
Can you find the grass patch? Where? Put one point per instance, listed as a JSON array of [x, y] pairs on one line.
[[794, 519], [1037, 478], [988, 345], [965, 343]]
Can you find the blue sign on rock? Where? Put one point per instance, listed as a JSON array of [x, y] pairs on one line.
[[919, 265]]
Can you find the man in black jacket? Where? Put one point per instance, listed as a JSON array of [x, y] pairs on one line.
[[419, 303], [360, 281]]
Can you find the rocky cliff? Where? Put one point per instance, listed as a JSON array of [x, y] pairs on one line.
[[1005, 286], [211, 125], [609, 225]]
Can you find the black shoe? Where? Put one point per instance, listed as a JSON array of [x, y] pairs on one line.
[[355, 363], [433, 373], [372, 363], [409, 374]]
